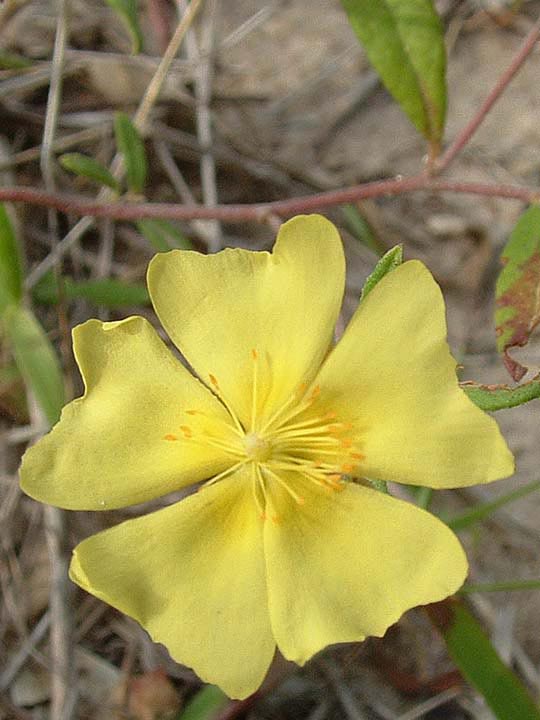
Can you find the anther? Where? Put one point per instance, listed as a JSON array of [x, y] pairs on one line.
[[347, 468], [170, 437], [254, 354], [213, 380], [346, 442], [186, 431], [193, 412], [357, 456]]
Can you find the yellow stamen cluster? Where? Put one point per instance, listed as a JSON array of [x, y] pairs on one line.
[[302, 437]]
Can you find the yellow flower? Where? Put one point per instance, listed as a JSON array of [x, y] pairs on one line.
[[280, 547]]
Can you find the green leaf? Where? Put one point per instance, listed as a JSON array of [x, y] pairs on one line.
[[389, 261], [88, 167], [480, 512], [404, 41], [109, 293], [471, 650], [12, 61], [36, 359], [502, 397], [11, 280], [205, 705], [508, 586], [131, 146], [127, 11], [517, 295], [163, 235], [361, 229]]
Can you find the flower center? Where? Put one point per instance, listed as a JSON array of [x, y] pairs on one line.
[[302, 440], [257, 448]]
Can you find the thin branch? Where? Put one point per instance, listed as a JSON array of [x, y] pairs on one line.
[[502, 83], [63, 685], [202, 58], [156, 83], [258, 212]]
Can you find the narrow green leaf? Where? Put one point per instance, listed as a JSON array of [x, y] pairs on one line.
[[404, 41], [484, 510], [361, 229], [131, 146], [205, 705], [163, 235], [36, 359], [88, 167], [471, 650], [11, 281], [12, 61], [517, 295], [127, 11], [109, 293], [509, 586], [389, 261], [502, 397]]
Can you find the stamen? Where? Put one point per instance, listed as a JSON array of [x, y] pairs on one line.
[[186, 431], [258, 483], [299, 500], [219, 393], [254, 356], [299, 400], [223, 474], [267, 498]]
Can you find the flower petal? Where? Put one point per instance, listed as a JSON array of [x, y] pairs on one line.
[[283, 306], [109, 448], [392, 377], [346, 566], [193, 575]]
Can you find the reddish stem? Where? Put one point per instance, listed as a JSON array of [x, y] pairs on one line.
[[259, 212], [468, 131]]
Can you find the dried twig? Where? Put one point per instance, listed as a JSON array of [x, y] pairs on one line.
[[342, 691], [63, 687], [202, 59], [140, 120]]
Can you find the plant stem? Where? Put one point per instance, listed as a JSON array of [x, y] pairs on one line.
[[259, 212], [502, 83], [500, 586]]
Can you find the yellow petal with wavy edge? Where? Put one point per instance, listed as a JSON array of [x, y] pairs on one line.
[[109, 448], [193, 575], [220, 308], [392, 376], [347, 565]]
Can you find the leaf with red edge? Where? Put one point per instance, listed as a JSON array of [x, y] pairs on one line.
[[518, 289]]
